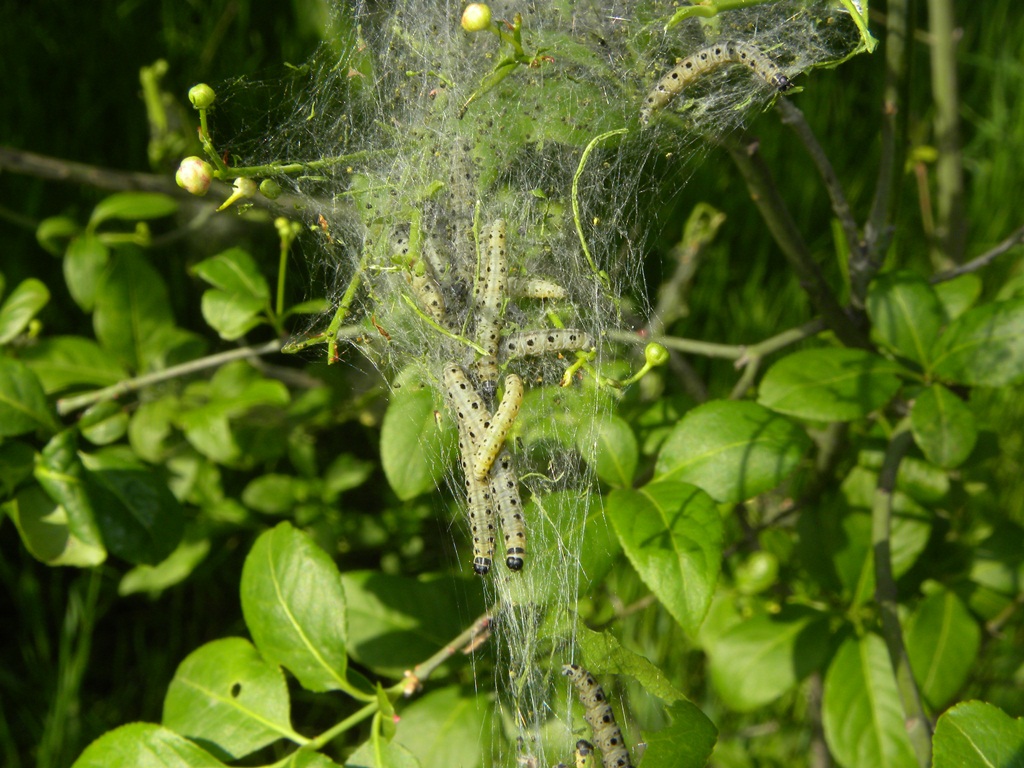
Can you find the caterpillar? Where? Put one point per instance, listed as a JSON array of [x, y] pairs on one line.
[[472, 417], [485, 497], [501, 422], [424, 287], [584, 754], [489, 291], [509, 508], [706, 60], [527, 343], [599, 716], [537, 288]]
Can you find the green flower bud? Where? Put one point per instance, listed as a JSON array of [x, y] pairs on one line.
[[476, 17], [270, 189], [194, 175], [201, 96], [655, 354]]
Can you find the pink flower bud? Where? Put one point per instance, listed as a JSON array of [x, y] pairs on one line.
[[194, 175]]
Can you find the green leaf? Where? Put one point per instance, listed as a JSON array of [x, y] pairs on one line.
[[23, 406], [686, 743], [672, 534], [942, 642], [61, 362], [150, 428], [975, 733], [53, 233], [415, 448], [44, 530], [612, 442], [234, 271], [861, 711], [141, 520], [226, 696], [732, 450], [132, 206], [905, 313], [132, 307], [604, 655], [294, 606], [304, 758], [829, 384], [756, 661], [20, 307], [345, 473], [959, 294], [84, 264], [17, 460], [983, 347], [447, 727], [944, 427], [240, 293], [174, 569], [393, 756], [276, 494], [144, 745], [61, 474], [213, 424], [104, 423], [394, 622]]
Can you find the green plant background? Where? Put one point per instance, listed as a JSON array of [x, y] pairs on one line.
[[80, 660]]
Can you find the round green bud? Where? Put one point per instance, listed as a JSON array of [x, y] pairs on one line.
[[476, 17], [201, 96], [655, 354], [270, 189], [245, 187], [194, 175], [757, 573]]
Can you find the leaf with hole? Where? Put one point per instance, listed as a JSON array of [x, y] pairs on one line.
[[225, 696]]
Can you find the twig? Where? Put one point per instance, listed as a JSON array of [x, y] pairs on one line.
[[918, 726], [425, 669], [984, 260], [794, 118], [693, 346], [69, 404], [951, 228], [784, 229]]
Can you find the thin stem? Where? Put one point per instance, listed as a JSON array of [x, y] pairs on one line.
[[693, 346], [984, 260], [918, 725], [784, 229], [951, 227], [479, 628], [343, 307], [576, 197], [708, 10], [69, 404], [324, 738], [794, 118]]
